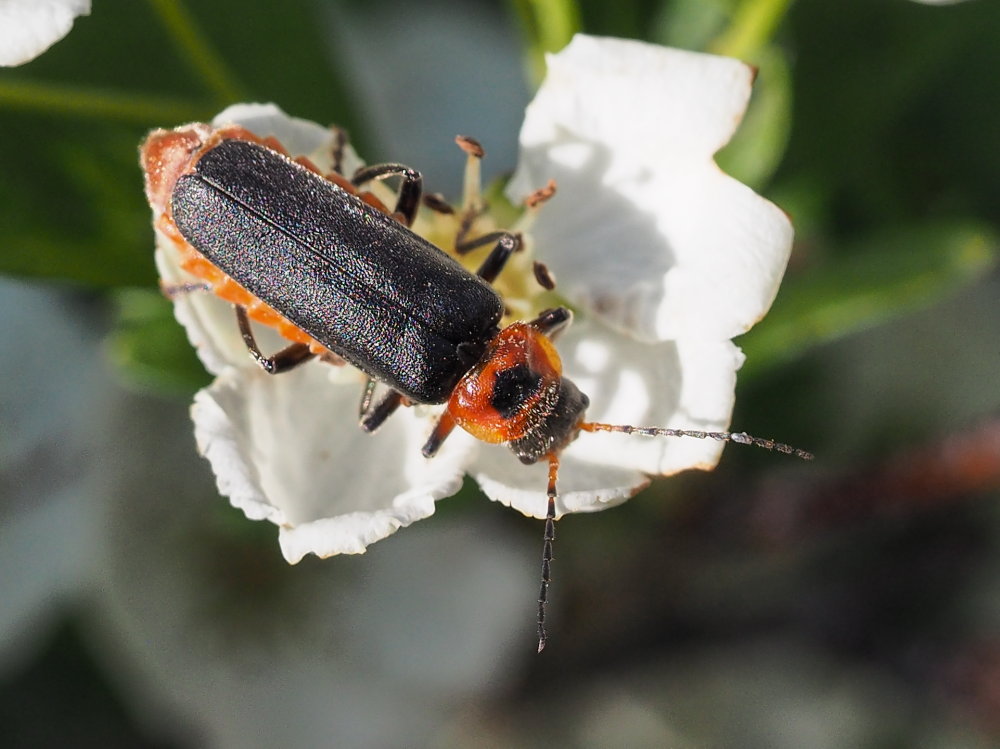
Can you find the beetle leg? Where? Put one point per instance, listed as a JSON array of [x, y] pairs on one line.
[[409, 191], [337, 152], [284, 360], [376, 415], [445, 425], [366, 397], [170, 290], [506, 245], [437, 203], [553, 321]]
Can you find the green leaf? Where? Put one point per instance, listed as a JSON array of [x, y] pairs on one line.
[[753, 25], [547, 26], [742, 31], [692, 24], [759, 145], [149, 346], [884, 277], [896, 114], [74, 209]]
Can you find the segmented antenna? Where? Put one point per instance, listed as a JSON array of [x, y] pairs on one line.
[[740, 437], [547, 538], [589, 426]]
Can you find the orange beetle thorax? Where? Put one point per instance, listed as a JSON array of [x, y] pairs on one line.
[[516, 394]]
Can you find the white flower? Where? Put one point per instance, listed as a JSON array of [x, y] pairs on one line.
[[29, 27], [664, 257]]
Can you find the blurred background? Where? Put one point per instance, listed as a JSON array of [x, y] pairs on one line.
[[851, 602]]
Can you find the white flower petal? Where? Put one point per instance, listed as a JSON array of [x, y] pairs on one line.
[[646, 101], [583, 486], [299, 137], [209, 322], [287, 449], [681, 385], [667, 247], [29, 27], [645, 231]]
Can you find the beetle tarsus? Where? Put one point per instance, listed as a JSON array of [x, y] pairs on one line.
[[444, 426], [366, 397]]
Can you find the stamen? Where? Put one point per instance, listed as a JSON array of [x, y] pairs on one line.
[[540, 195], [543, 275], [472, 194]]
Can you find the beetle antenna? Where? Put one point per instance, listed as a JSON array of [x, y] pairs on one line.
[[741, 437], [547, 538]]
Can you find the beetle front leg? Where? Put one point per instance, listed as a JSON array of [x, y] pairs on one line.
[[506, 245], [445, 425], [288, 358], [553, 321]]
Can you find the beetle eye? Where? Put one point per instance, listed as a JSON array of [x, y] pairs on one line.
[[512, 387]]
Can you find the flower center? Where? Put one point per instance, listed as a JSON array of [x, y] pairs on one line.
[[524, 284]]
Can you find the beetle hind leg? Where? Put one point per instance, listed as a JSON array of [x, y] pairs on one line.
[[288, 358], [172, 290]]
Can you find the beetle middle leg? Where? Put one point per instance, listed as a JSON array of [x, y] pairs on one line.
[[370, 416], [288, 358], [410, 190], [371, 413]]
